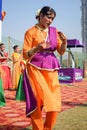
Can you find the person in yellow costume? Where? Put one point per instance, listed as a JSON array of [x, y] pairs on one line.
[[41, 75], [16, 69], [20, 96]]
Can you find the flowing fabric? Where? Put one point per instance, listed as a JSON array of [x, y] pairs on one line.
[[42, 72], [7, 77], [47, 59], [20, 91], [20, 96], [16, 70], [31, 102], [41, 82], [2, 97]]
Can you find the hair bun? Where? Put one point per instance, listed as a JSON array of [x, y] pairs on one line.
[[37, 13]]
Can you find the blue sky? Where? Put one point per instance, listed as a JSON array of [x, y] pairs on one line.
[[21, 16]]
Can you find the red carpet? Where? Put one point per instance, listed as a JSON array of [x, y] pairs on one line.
[[12, 116]]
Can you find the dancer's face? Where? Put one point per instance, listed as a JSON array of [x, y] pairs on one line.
[[46, 20]]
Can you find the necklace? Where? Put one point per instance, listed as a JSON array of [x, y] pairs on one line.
[[44, 30], [41, 29]]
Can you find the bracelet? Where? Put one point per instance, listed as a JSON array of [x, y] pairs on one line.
[[31, 52], [65, 45]]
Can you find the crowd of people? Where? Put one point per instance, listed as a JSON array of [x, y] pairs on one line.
[[10, 74], [39, 75], [11, 67]]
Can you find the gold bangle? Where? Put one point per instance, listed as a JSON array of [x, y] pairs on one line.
[[64, 45]]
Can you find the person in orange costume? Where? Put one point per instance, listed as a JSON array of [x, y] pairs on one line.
[[40, 42]]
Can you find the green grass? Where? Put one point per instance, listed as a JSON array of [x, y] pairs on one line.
[[72, 119]]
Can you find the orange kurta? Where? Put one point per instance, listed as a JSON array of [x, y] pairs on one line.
[[16, 70], [44, 82]]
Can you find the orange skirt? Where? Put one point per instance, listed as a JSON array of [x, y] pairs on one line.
[[45, 85]]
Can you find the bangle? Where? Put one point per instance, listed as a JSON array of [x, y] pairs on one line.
[[31, 52], [65, 45]]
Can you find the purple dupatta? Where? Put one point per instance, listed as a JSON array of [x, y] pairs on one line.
[[31, 103]]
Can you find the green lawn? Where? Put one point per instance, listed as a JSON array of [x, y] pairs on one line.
[[73, 119]]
